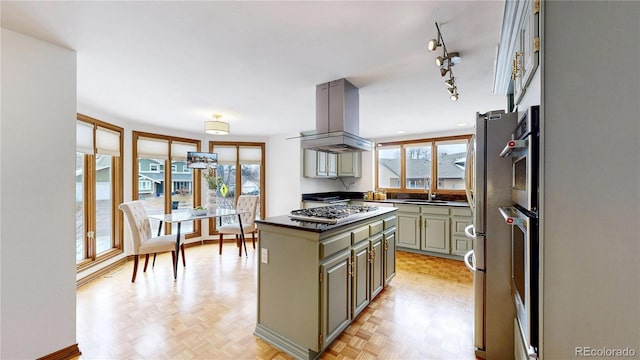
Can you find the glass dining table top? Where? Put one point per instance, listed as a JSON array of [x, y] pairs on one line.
[[180, 216]]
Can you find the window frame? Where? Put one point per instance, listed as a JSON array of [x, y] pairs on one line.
[[91, 258], [238, 179], [403, 144], [168, 178]]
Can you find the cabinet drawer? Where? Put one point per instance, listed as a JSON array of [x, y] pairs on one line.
[[435, 210], [389, 222], [359, 234], [375, 227], [462, 211], [458, 224], [408, 208], [333, 245]]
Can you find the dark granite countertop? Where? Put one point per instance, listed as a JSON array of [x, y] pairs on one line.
[[286, 221], [421, 202]]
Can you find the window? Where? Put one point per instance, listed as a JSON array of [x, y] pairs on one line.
[[389, 167], [163, 192], [98, 191], [451, 161], [411, 166], [249, 158]]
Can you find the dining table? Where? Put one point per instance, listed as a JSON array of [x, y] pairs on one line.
[[179, 217]]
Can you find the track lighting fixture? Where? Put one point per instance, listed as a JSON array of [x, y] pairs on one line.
[[450, 82], [433, 44], [445, 62]]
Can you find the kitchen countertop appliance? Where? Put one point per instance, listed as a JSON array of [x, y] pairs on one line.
[[332, 214], [490, 259]]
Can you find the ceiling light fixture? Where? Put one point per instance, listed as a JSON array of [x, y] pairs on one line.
[[445, 62], [216, 127]]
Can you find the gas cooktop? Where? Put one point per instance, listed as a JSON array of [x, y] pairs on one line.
[[330, 214]]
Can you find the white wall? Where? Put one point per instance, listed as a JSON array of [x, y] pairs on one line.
[[591, 93], [38, 208], [283, 175]]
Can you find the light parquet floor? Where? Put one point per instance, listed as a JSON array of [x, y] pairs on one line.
[[210, 312]]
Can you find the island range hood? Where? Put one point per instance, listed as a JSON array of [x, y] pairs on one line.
[[337, 120]]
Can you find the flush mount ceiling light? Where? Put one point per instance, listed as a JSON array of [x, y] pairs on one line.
[[445, 62], [216, 127]]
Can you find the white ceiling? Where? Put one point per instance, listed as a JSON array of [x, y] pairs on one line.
[[174, 64]]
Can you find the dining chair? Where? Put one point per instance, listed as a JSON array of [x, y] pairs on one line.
[[142, 240], [246, 206]]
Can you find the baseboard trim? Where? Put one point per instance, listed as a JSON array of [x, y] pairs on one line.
[[87, 279], [67, 353]]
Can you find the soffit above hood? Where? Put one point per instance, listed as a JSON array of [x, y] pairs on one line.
[[337, 119]]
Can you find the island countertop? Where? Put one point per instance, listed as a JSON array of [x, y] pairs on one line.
[[286, 221]]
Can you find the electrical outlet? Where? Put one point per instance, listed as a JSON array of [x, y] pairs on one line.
[[264, 256]]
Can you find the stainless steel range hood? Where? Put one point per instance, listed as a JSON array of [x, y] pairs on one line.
[[337, 120]]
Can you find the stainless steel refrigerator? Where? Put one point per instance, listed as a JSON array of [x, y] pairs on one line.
[[490, 259]]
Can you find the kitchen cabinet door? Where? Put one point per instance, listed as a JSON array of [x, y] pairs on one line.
[[335, 304], [319, 164], [408, 228], [377, 269], [360, 277], [389, 255], [349, 164], [435, 234]]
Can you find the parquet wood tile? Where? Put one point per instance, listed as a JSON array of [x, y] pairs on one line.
[[210, 312]]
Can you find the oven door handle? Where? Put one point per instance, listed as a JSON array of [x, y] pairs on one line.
[[511, 215], [470, 261]]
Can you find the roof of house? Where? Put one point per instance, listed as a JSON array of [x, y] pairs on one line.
[[449, 166]]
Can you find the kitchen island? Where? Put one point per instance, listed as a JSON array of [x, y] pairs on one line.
[[315, 278]]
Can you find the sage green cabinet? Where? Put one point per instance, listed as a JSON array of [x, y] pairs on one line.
[[350, 164], [376, 255], [408, 227], [319, 164], [460, 219], [389, 255], [435, 234], [360, 277], [335, 309], [433, 229], [312, 284]]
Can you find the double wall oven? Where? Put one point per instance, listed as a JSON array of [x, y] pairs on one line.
[[522, 216]]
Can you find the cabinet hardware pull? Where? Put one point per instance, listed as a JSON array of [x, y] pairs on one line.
[[516, 70], [351, 268], [386, 245]]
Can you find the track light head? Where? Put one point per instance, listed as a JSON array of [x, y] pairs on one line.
[[440, 61], [433, 44], [454, 96], [452, 90], [444, 71], [451, 82]]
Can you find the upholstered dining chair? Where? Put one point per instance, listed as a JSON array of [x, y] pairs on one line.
[[142, 240], [247, 205]]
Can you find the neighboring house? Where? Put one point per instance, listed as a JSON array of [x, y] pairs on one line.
[[151, 177], [450, 172]]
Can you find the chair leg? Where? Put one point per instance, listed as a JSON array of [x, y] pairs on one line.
[[173, 257], [146, 262], [135, 268], [154, 261], [220, 252], [253, 239], [237, 240], [184, 262]]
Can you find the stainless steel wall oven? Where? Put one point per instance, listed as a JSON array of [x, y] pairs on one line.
[[523, 148], [524, 271]]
